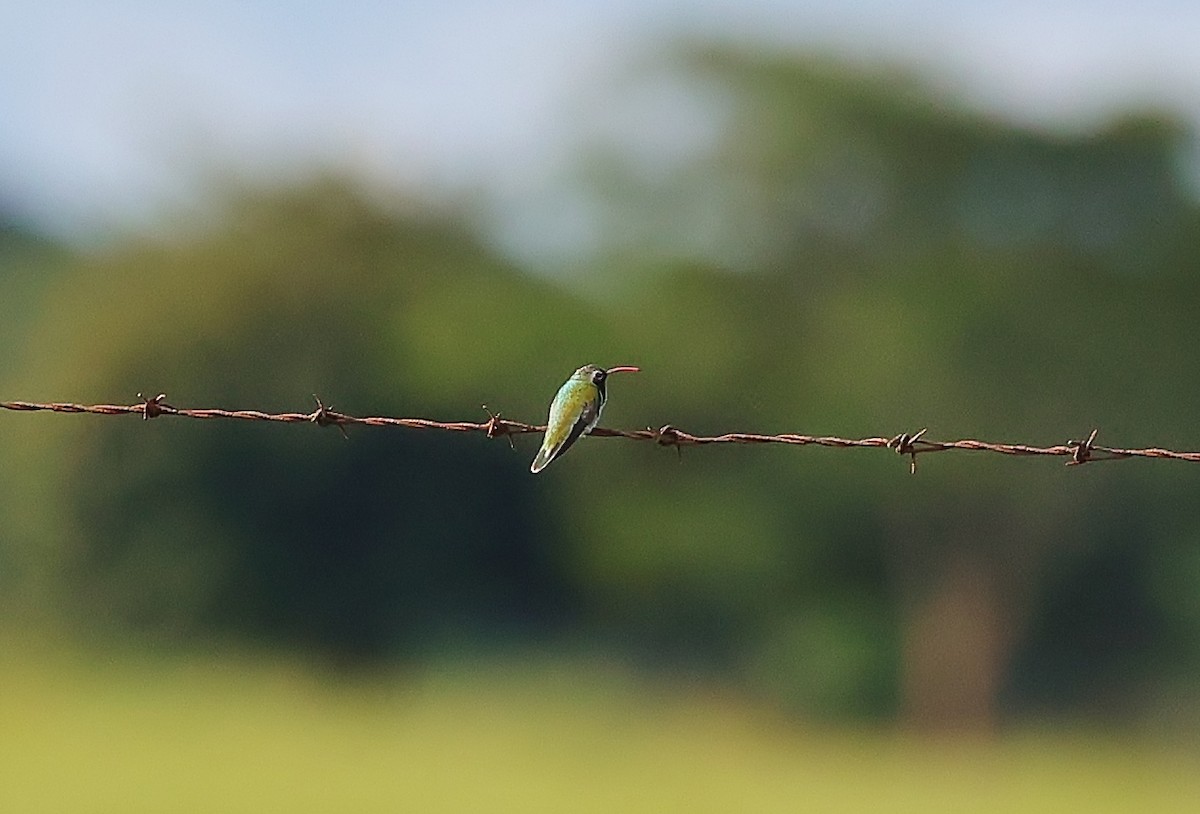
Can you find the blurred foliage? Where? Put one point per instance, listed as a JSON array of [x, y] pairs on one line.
[[351, 547], [853, 255]]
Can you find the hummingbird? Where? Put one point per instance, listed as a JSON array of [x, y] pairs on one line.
[[575, 411]]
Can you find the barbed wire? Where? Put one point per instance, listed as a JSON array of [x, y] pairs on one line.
[[910, 444]]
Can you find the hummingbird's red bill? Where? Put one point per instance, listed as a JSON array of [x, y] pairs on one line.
[[624, 369]]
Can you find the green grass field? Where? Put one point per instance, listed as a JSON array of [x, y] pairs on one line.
[[240, 736]]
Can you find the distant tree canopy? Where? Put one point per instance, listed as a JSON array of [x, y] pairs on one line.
[[851, 255]]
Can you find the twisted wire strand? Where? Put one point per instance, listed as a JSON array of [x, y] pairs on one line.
[[910, 444]]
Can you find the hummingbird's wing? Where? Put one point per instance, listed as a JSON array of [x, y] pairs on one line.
[[548, 452]]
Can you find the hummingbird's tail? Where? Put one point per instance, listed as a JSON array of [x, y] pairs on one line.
[[541, 460]]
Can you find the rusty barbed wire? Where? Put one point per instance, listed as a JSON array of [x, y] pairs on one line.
[[911, 444]]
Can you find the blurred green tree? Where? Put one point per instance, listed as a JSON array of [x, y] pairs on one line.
[[377, 547], [865, 258]]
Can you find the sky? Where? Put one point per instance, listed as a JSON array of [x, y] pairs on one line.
[[112, 113]]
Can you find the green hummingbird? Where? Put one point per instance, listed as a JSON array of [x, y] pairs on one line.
[[575, 411]]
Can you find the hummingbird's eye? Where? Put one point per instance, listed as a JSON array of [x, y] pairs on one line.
[[599, 375]]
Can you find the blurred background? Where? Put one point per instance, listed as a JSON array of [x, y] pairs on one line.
[[830, 218]]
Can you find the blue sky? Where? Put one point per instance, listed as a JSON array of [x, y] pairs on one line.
[[113, 112]]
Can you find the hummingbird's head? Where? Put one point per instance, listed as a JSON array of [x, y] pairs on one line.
[[596, 374]]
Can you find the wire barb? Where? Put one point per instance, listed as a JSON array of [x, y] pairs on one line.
[[154, 407], [910, 444], [668, 436], [324, 416], [496, 426], [906, 444], [1086, 451], [1082, 450]]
